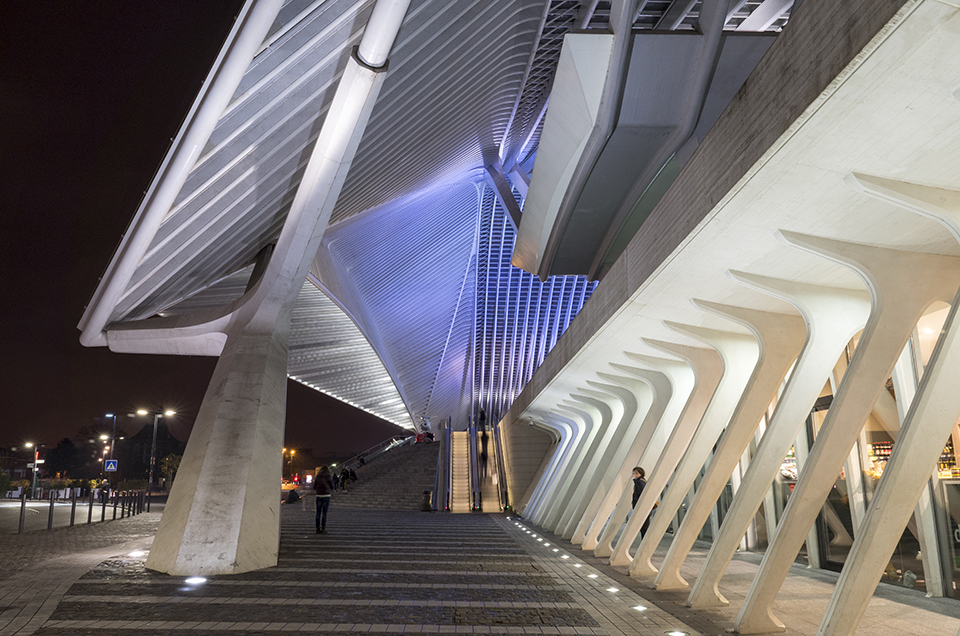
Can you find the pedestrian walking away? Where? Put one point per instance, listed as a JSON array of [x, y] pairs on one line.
[[324, 487]]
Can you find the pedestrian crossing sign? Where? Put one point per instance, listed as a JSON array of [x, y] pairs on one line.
[[110, 465]]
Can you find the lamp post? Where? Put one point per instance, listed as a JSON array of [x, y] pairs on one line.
[[153, 448], [36, 464]]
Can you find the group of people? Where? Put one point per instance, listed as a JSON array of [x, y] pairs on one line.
[[344, 478]]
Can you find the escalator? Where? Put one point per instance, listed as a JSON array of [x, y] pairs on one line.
[[460, 491]]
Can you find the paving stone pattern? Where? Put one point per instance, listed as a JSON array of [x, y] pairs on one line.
[[377, 571]]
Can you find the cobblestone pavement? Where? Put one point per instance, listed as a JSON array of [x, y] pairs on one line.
[[392, 572], [373, 571], [38, 568]]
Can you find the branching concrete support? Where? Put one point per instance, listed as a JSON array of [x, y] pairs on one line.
[[570, 435], [223, 514], [612, 431], [668, 394], [708, 367], [635, 403], [588, 418], [781, 338], [933, 414], [602, 416], [565, 431], [740, 355], [832, 316], [706, 370], [902, 285]]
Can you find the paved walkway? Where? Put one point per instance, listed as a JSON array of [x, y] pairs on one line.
[[385, 572]]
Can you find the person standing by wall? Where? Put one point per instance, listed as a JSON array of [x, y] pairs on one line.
[[324, 488], [639, 482]]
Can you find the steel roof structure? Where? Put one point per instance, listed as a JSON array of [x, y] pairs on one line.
[[412, 266]]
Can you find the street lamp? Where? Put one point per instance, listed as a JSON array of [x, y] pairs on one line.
[[153, 449], [36, 465]]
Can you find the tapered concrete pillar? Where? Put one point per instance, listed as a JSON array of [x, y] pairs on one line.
[[633, 405], [656, 391], [832, 317], [740, 354], [706, 374], [933, 414], [612, 398], [574, 500], [223, 512], [588, 418], [781, 337], [902, 285], [708, 366], [562, 433], [569, 436]]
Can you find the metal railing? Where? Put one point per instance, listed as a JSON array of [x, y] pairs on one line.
[[127, 503], [376, 451]]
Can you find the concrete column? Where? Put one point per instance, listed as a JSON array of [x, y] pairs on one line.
[[562, 434], [781, 337], [568, 433], [223, 514], [708, 366], [615, 401], [635, 403], [931, 418], [667, 398], [575, 499], [740, 355], [706, 371], [832, 317], [902, 284], [589, 419]]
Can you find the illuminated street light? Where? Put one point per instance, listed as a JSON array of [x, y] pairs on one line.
[[153, 448]]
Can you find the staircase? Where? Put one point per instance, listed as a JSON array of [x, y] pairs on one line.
[[460, 472], [395, 480]]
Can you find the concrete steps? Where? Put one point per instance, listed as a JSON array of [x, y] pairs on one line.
[[394, 481]]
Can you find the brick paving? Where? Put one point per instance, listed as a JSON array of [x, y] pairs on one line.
[[390, 572], [374, 571]]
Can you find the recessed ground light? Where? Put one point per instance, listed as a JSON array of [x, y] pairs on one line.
[[591, 576], [676, 633], [639, 608], [613, 589], [533, 536], [195, 580], [137, 553], [556, 549], [566, 556], [540, 540], [546, 545], [578, 565]]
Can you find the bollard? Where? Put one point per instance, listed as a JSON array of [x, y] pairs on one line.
[[123, 503], [103, 506], [50, 514], [90, 508], [73, 505], [23, 511], [148, 497]]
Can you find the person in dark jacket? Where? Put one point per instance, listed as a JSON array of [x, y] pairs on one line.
[[324, 487], [639, 482]]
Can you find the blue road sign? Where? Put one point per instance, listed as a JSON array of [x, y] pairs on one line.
[[110, 466]]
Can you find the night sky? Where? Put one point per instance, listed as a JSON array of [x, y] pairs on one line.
[[91, 94]]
